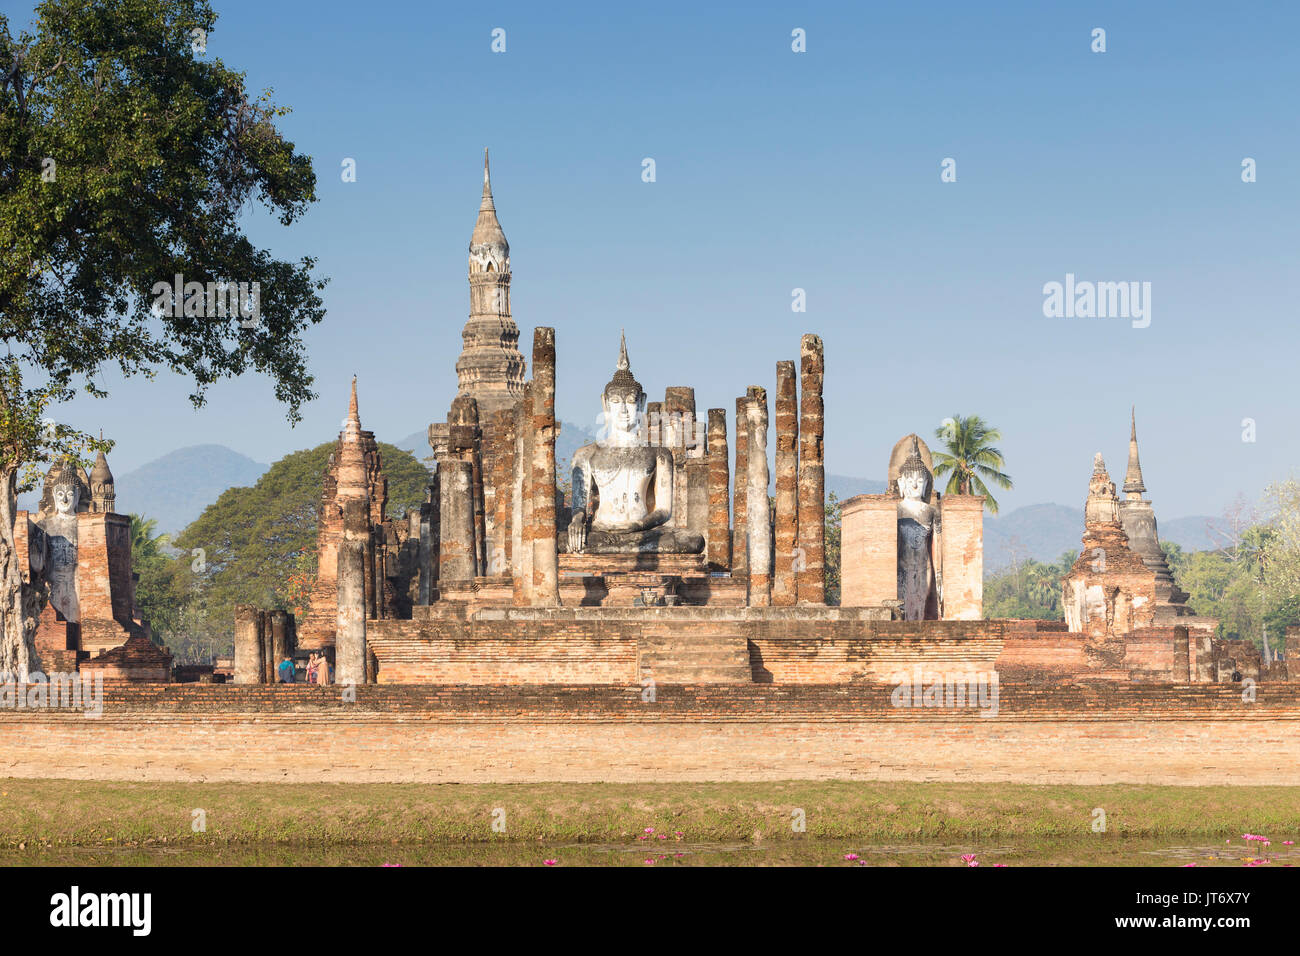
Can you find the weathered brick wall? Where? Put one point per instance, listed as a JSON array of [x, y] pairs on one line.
[[818, 645], [962, 549], [1170, 734], [869, 550]]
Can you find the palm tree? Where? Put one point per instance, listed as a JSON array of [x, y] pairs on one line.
[[971, 458], [144, 543]]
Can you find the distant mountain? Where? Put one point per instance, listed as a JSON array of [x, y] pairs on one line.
[[175, 488], [1044, 532]]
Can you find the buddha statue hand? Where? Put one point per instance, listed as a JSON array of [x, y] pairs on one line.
[[578, 532]]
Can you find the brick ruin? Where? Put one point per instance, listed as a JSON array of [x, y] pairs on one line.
[[667, 561], [79, 558]]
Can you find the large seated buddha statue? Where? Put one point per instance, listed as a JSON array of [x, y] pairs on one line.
[[623, 487]]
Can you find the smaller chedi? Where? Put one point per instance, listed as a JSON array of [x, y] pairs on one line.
[[622, 486], [1109, 590], [911, 548]]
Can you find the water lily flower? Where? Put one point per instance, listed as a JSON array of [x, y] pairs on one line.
[[850, 857], [550, 862]]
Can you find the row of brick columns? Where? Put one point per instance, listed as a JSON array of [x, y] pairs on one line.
[[262, 640], [782, 551]]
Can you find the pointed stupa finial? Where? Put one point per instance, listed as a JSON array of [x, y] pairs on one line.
[[1133, 486], [353, 415], [623, 363], [487, 184]]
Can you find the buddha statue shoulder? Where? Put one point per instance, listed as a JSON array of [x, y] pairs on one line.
[[623, 487]]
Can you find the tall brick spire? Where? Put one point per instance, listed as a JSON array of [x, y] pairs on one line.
[[491, 367], [352, 481]]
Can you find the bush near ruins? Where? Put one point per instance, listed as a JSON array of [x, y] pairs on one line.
[[254, 546]]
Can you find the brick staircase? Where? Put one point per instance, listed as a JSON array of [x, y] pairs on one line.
[[694, 658]]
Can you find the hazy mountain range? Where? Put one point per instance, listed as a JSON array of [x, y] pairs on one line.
[[175, 489]]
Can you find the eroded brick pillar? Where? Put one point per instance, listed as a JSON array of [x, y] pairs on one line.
[[718, 547], [784, 559], [280, 648], [758, 509], [811, 581], [740, 521], [267, 652], [523, 510], [456, 524], [503, 463], [350, 633], [249, 667], [546, 571]]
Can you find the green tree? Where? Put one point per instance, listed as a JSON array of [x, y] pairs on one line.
[[129, 155], [832, 551], [971, 461], [158, 593], [251, 545]]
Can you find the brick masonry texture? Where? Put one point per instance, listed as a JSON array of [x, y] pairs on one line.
[[1042, 733]]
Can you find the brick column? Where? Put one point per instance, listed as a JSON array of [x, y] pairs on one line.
[[267, 650], [546, 570], [962, 554], [280, 648], [350, 632], [740, 520], [523, 514], [503, 462], [456, 525], [718, 547], [811, 581], [758, 510], [869, 550], [785, 565], [249, 667]]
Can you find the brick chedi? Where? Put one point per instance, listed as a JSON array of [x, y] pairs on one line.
[[1109, 590], [355, 471], [491, 367], [1139, 521]]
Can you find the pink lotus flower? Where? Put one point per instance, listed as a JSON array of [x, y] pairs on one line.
[[969, 859], [1186, 865], [1288, 842], [999, 864], [392, 864], [678, 835], [850, 857], [661, 836], [643, 837], [550, 862], [650, 861], [649, 830]]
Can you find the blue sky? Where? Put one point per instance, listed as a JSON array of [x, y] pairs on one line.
[[778, 170]]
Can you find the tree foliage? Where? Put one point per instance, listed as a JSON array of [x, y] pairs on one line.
[[1028, 590], [129, 156], [258, 546]]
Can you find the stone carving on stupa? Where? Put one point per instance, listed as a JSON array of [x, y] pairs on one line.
[[623, 486]]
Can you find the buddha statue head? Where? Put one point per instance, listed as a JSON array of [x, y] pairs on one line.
[[914, 479], [66, 493], [623, 401]]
